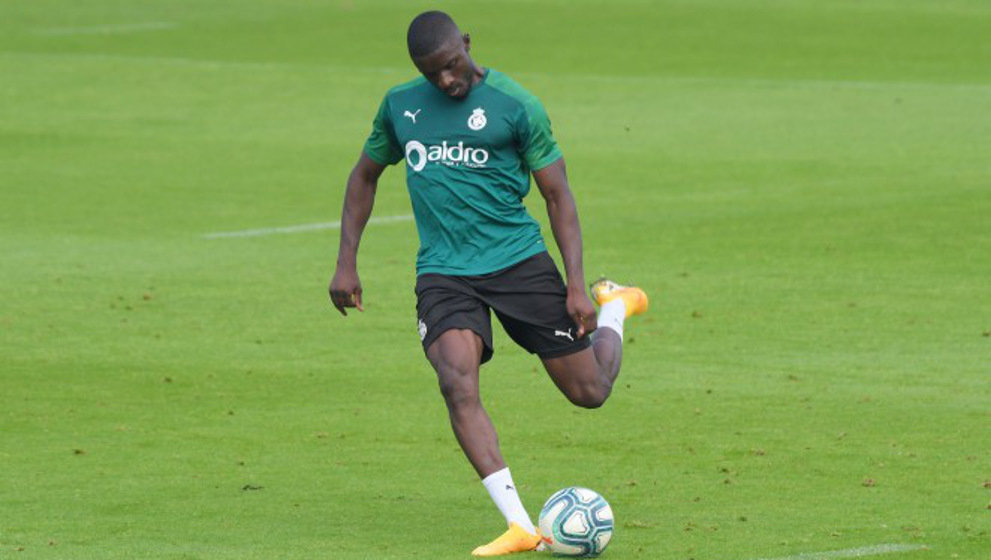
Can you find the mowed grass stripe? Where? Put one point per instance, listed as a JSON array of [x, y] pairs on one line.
[[302, 228], [876, 550], [108, 29], [609, 79]]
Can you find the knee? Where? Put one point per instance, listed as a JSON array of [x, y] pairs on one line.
[[457, 387], [588, 395]]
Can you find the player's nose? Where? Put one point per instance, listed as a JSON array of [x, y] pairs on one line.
[[445, 80]]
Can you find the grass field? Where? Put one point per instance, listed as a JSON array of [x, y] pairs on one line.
[[804, 188]]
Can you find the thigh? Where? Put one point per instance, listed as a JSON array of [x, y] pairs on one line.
[[574, 373], [456, 355], [530, 301], [444, 303]]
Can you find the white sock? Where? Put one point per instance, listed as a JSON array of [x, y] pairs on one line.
[[612, 314], [503, 491]]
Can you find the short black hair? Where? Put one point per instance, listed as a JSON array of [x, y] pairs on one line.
[[428, 32]]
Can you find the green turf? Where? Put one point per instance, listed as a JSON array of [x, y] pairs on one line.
[[804, 188]]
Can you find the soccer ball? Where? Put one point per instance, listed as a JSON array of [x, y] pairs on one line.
[[576, 522]]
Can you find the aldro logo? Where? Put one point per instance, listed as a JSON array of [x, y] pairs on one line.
[[418, 155]]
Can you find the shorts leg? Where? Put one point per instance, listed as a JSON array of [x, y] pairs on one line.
[[530, 301], [444, 303]]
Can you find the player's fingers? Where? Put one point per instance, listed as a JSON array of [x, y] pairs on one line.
[[580, 324], [588, 324], [356, 298], [339, 302], [593, 322]]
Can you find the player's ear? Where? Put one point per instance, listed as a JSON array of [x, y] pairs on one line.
[[467, 39]]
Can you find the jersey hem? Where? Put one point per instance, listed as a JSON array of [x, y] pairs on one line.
[[432, 269]]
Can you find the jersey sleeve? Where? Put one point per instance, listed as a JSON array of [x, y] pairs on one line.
[[538, 146], [382, 145]]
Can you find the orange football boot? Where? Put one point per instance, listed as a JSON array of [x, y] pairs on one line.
[[516, 539], [604, 291]]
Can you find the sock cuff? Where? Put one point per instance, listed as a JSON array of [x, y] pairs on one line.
[[612, 315], [503, 492], [497, 477]]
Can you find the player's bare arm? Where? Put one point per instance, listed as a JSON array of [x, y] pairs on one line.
[[345, 287], [553, 184]]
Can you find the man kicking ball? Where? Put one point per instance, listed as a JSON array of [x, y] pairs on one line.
[[471, 137]]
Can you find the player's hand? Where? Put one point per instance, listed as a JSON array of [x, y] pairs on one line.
[[345, 289], [582, 311]]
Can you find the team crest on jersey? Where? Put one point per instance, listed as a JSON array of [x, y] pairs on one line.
[[477, 120]]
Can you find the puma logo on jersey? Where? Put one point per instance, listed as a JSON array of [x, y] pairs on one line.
[[565, 334], [412, 116]]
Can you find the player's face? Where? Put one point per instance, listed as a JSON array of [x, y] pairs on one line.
[[449, 67]]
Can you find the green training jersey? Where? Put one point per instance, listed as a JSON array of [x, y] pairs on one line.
[[468, 164]]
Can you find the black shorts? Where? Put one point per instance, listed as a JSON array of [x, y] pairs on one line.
[[528, 298]]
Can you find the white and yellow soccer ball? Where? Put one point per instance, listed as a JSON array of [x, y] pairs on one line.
[[576, 521]]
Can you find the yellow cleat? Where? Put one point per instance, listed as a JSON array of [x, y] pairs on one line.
[[604, 291], [516, 539]]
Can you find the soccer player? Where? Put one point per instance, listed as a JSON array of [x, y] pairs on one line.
[[471, 137]]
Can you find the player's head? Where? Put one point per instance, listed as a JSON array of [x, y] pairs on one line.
[[440, 52]]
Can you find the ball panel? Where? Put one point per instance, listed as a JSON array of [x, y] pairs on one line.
[[585, 495], [603, 515], [576, 524], [602, 540]]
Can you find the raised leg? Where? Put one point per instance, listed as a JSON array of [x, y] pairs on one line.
[[587, 377]]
